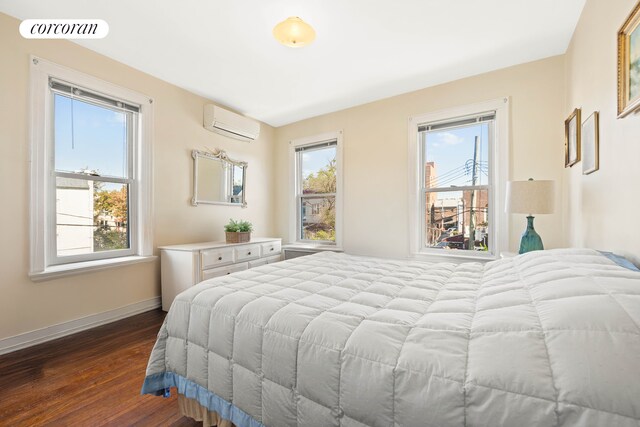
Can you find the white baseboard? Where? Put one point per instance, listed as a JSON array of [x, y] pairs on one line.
[[49, 333]]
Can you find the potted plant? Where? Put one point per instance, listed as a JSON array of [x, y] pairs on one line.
[[238, 231]]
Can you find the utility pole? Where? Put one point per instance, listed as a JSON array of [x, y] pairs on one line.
[[472, 216]]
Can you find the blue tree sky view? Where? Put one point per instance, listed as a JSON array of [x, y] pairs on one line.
[[99, 138], [452, 152], [313, 161]]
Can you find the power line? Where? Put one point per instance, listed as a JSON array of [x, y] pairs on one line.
[[457, 173]]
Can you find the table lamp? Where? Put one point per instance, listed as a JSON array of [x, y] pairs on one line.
[[530, 197]]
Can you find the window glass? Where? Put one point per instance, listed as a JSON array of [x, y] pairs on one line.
[[319, 170], [92, 185], [450, 156], [91, 216], [318, 218], [457, 220], [317, 203], [457, 157], [89, 138]]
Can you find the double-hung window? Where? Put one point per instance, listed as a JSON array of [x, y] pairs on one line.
[[316, 187], [90, 180], [94, 140], [459, 159]]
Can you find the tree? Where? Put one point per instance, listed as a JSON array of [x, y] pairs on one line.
[[110, 206], [324, 182], [111, 203]]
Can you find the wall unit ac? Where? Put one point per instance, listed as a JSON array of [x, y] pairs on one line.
[[230, 124]]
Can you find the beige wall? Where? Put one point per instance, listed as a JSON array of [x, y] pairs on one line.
[[376, 149], [375, 159], [601, 209], [27, 306]]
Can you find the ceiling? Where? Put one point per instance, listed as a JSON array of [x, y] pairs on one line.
[[365, 50]]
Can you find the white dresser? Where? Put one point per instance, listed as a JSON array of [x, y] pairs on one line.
[[183, 266]]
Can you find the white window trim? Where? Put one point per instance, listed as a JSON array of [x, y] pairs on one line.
[[41, 172], [500, 173], [293, 215]]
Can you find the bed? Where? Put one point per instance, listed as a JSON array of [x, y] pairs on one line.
[[546, 338]]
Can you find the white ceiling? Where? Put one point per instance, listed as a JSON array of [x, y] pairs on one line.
[[365, 50]]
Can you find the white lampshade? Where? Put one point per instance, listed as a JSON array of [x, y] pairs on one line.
[[530, 197]]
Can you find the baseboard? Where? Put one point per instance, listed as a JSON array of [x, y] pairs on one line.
[[49, 333]]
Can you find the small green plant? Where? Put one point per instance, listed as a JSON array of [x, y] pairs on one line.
[[238, 226]]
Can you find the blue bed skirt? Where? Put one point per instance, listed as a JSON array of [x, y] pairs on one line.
[[159, 384]]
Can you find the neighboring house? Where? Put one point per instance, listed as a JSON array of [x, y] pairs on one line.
[[452, 213], [76, 231], [481, 211], [75, 216], [443, 214], [312, 211], [105, 220], [431, 180]]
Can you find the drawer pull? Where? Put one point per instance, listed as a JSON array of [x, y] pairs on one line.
[[228, 272], [219, 258], [249, 253], [271, 249]]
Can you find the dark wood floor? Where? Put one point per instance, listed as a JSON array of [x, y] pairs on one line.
[[91, 378]]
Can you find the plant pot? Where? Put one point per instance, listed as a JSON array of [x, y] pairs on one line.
[[238, 236]]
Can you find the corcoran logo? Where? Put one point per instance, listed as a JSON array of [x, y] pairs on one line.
[[64, 29]]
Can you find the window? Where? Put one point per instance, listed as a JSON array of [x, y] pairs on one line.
[[316, 181], [458, 192], [90, 183], [93, 141]]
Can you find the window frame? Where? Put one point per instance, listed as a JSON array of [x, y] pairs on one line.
[[295, 186], [44, 261], [498, 176], [133, 141]]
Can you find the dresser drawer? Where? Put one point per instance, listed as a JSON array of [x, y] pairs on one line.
[[216, 257], [245, 253], [271, 248], [223, 271]]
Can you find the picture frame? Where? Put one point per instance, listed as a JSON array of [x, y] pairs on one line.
[[572, 130], [629, 64], [591, 144]]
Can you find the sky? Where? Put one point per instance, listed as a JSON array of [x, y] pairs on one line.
[[313, 161], [98, 141], [99, 144], [452, 152]]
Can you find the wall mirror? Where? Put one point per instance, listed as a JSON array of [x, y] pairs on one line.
[[218, 180]]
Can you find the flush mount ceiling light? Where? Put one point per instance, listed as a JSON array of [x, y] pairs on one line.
[[294, 32]]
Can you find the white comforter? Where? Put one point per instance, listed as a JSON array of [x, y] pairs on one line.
[[549, 338]]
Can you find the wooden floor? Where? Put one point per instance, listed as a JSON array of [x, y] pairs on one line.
[[91, 378]]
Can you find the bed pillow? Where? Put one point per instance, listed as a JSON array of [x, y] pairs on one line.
[[621, 261]]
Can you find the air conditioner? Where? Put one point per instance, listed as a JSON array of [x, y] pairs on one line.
[[230, 124]]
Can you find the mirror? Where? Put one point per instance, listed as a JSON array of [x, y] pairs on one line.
[[217, 179]]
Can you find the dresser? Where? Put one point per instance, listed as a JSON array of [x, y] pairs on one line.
[[183, 266]]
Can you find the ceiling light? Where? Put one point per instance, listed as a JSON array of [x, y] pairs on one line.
[[294, 32]]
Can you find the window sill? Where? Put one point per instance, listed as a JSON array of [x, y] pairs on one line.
[[437, 256], [57, 271]]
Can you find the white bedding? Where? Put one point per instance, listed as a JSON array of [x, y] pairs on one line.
[[548, 338]]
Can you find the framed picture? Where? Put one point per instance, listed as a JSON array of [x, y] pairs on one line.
[[629, 64], [591, 144], [572, 139]]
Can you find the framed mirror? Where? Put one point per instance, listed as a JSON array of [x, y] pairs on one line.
[[218, 180]]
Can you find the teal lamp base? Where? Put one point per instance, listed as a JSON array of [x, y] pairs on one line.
[[530, 240]]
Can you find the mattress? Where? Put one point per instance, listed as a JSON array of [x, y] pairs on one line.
[[547, 338]]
